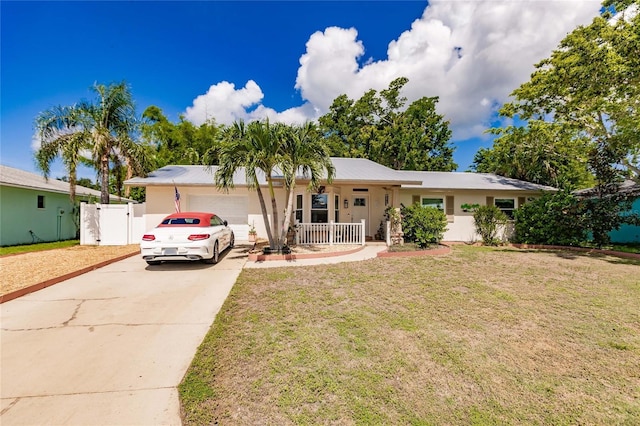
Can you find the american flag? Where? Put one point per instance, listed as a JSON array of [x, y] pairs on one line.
[[177, 199]]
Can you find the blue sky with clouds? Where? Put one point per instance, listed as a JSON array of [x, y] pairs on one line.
[[284, 60]]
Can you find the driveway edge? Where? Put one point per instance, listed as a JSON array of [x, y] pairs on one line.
[[35, 287]]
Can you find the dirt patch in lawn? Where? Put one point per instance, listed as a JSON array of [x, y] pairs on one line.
[[26, 269]]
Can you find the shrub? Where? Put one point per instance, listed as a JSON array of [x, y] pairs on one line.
[[488, 220], [423, 225], [554, 219]]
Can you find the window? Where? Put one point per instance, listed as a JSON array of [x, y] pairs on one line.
[[319, 208], [41, 201], [216, 221], [299, 208], [360, 202], [336, 209], [438, 203], [506, 205]]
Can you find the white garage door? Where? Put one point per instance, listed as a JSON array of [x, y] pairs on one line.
[[232, 208]]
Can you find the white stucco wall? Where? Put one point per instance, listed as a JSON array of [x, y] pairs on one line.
[[461, 226], [160, 203]]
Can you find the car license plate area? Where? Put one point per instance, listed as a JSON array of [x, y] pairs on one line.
[[170, 251]]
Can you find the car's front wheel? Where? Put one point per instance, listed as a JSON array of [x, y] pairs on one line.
[[232, 241], [216, 253]]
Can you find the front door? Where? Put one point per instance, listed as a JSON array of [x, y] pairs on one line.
[[361, 211]]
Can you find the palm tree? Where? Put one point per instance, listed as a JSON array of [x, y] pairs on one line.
[[304, 152], [255, 148], [103, 128]]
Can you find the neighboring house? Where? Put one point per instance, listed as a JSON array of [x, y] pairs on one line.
[[626, 233], [361, 190], [33, 209]]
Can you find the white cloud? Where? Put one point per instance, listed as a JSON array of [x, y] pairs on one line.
[[224, 103], [471, 54]]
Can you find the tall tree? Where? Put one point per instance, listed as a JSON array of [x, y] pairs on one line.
[[378, 127], [304, 155], [105, 128], [590, 87], [254, 147]]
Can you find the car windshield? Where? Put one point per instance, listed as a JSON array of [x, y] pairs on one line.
[[181, 221]]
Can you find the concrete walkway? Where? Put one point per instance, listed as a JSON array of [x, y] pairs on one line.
[[111, 346], [369, 251]]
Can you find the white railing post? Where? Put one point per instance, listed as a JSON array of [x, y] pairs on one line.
[[362, 233], [331, 228], [388, 234]]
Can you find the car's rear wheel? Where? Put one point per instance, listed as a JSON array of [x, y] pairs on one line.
[[153, 262], [216, 253]]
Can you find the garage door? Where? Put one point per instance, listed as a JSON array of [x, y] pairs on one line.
[[232, 208]]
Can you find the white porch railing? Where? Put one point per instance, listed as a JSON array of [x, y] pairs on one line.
[[330, 233]]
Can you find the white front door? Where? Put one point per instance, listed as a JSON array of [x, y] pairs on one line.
[[360, 211]]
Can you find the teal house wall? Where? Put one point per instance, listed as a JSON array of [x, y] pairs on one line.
[[19, 214], [628, 233], [53, 220]]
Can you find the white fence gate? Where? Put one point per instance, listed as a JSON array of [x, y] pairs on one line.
[[111, 224]]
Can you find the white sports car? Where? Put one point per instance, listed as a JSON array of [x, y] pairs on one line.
[[187, 236]]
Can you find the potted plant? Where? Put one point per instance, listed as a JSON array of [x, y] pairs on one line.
[[253, 234]]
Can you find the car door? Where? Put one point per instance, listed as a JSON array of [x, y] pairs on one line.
[[220, 231]]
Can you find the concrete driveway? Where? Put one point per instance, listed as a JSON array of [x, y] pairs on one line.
[[109, 347]]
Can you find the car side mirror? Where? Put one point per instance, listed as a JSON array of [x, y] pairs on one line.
[[225, 223]]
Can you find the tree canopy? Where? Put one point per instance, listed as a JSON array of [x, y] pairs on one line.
[[99, 133], [541, 152], [181, 142], [590, 86], [377, 127]]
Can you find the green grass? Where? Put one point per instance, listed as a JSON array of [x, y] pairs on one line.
[[37, 247], [481, 336], [627, 248]]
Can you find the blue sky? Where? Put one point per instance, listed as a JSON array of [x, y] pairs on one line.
[[284, 60]]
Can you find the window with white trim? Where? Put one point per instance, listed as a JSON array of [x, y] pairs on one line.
[[438, 203], [299, 208], [506, 205], [319, 208], [336, 209], [41, 201]]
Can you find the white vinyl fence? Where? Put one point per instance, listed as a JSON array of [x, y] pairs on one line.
[[111, 224]]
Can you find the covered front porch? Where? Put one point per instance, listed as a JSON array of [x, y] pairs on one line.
[[348, 214]]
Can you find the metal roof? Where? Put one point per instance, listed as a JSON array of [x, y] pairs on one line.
[[356, 170], [462, 180], [10, 176], [347, 170], [629, 187], [188, 176]]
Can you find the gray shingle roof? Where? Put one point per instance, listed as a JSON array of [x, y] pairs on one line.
[[10, 176], [460, 180]]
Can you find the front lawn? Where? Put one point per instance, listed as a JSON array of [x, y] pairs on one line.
[[480, 336], [28, 248]]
